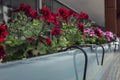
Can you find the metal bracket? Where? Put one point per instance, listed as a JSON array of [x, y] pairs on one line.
[[86, 61]]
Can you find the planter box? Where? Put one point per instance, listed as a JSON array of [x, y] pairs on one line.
[[58, 66]]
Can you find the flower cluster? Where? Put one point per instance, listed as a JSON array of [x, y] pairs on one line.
[[82, 16], [28, 11], [99, 35], [109, 35], [80, 27], [3, 32], [63, 13], [33, 33], [56, 31]]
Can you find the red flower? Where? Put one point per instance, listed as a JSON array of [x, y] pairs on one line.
[[27, 10], [45, 40], [30, 39], [34, 14], [48, 41], [3, 32], [22, 7], [63, 13], [45, 14], [56, 31], [82, 16], [80, 27], [2, 52], [45, 11], [98, 32], [41, 40], [72, 13], [54, 19]]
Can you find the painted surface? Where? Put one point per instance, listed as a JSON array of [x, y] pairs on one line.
[[95, 8], [52, 67], [59, 66]]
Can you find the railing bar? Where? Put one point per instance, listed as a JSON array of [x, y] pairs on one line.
[[86, 61]]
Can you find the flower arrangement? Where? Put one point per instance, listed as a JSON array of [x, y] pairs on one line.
[[33, 33]]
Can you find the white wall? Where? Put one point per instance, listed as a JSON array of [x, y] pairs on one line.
[[95, 9]]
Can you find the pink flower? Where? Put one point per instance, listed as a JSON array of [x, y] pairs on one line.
[[109, 35], [92, 34], [87, 30]]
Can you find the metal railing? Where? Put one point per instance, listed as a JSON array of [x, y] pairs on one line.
[[86, 61], [96, 51]]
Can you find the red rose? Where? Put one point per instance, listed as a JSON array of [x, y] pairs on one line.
[[3, 32], [56, 31], [2, 52]]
